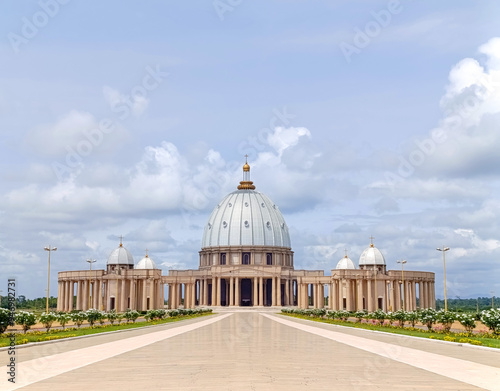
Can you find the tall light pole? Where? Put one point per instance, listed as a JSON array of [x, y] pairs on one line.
[[444, 249], [402, 262], [49, 249], [90, 262]]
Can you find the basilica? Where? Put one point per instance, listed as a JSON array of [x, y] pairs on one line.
[[246, 259]]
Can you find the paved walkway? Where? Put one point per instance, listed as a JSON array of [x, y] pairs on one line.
[[252, 350]]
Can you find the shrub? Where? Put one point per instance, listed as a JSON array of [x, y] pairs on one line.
[[446, 318], [131, 315], [25, 319], [360, 315], [467, 321], [378, 315], [491, 319], [400, 316], [48, 318], [78, 318], [4, 319], [428, 317], [412, 317], [63, 319], [93, 316], [112, 316]]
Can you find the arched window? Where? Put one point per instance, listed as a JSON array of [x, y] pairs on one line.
[[245, 260], [269, 259], [223, 258]]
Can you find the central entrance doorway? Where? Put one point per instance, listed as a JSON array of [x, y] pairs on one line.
[[246, 292]]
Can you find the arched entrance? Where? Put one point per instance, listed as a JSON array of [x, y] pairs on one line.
[[246, 292]]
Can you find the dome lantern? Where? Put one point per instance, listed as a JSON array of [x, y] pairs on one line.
[[246, 183]]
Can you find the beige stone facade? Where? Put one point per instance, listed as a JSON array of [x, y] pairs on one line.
[[246, 259]]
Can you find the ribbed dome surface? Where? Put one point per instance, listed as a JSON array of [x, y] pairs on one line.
[[345, 263], [120, 256], [371, 256], [246, 218], [146, 263]]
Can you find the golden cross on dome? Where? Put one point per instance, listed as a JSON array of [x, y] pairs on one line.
[[121, 240], [371, 240], [147, 253]]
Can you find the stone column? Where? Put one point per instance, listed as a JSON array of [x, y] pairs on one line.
[[60, 296], [348, 294], [414, 294], [255, 292], [175, 293], [144, 295], [237, 301], [397, 290], [273, 292], [186, 295], [332, 298], [287, 292], [278, 291], [321, 295], [370, 304], [261, 291], [231, 291], [218, 291], [124, 295], [133, 304], [340, 291], [205, 291], [359, 301], [214, 289], [100, 294]]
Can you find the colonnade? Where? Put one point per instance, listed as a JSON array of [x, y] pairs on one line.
[[108, 294], [354, 294], [230, 291]]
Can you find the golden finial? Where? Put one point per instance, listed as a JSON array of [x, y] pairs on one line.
[[121, 240], [246, 167], [371, 241], [345, 252], [246, 183], [147, 253]]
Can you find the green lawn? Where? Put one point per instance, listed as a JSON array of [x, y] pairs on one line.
[[491, 341], [39, 336]]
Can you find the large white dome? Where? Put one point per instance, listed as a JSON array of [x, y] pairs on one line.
[[120, 256], [246, 218], [371, 257]]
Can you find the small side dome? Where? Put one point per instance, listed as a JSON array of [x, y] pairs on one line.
[[120, 256], [371, 257], [346, 264], [146, 263]]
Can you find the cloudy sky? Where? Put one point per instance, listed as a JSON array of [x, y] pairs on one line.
[[359, 118]]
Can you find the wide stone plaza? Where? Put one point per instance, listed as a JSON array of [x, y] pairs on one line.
[[254, 349]]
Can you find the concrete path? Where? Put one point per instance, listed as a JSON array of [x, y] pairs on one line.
[[252, 350]]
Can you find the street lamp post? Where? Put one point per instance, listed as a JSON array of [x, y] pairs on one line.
[[444, 249], [49, 249], [402, 262], [90, 262]]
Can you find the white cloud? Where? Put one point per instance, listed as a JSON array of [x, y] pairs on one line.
[[137, 104]]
